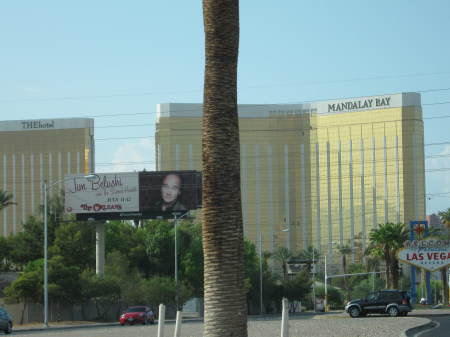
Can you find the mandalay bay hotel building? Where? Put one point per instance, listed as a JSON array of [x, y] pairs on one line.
[[314, 174], [34, 151]]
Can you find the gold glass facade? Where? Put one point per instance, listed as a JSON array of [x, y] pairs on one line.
[[34, 151], [317, 173]]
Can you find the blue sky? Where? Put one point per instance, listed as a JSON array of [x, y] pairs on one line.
[[96, 58]]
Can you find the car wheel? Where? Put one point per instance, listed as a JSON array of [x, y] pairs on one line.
[[354, 312], [393, 311], [9, 328]]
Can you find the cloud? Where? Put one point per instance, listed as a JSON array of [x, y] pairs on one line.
[[133, 156]]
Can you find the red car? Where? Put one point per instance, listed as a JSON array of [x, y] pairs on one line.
[[137, 314]]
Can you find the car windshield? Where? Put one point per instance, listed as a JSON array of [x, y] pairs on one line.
[[136, 309]]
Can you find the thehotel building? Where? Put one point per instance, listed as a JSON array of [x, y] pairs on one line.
[[34, 151], [316, 173]]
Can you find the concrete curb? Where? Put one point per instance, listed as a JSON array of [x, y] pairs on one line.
[[88, 326], [411, 331], [64, 327]]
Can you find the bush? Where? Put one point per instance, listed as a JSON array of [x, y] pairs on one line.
[[335, 296]]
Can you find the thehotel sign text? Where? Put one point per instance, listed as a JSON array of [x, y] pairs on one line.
[[360, 104], [431, 254], [38, 124]]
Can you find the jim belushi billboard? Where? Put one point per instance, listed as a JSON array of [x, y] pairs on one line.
[[132, 195]]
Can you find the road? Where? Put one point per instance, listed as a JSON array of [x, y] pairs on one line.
[[442, 328], [319, 326]]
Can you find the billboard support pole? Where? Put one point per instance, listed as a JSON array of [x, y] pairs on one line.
[[412, 224], [176, 263], [100, 248]]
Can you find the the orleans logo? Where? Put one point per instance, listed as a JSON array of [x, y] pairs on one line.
[[360, 104]]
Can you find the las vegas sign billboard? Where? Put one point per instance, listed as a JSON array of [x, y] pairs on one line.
[[430, 254]]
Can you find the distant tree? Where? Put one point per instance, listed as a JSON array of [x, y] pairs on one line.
[[5, 253], [283, 255], [103, 291], [310, 254], [27, 288], [162, 290], [297, 288], [385, 240], [191, 266], [5, 199], [334, 296], [345, 250], [75, 243]]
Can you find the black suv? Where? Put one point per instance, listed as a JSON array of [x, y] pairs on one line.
[[391, 302]]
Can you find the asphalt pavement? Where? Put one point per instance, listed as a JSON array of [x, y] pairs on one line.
[[333, 324]]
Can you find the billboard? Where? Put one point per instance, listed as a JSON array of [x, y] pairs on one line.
[[137, 195], [102, 193], [430, 254]]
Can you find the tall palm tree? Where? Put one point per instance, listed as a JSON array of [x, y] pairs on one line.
[[385, 240], [445, 218], [5, 199], [223, 238]]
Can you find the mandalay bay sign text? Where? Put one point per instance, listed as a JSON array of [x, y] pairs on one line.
[[431, 253]]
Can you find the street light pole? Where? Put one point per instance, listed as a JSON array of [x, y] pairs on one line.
[[45, 259], [177, 218], [325, 302]]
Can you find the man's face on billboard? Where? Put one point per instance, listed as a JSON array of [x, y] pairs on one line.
[[170, 189]]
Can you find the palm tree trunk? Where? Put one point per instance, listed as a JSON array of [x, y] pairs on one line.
[[395, 273], [223, 240]]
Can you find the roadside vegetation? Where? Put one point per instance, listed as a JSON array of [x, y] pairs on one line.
[[140, 266]]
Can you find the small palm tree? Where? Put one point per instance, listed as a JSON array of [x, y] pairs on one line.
[[5, 199], [283, 255], [310, 254], [385, 240]]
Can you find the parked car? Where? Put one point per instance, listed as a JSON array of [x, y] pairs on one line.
[[6, 322], [391, 302], [137, 314]]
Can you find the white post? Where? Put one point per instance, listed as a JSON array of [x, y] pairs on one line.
[[285, 318], [161, 320], [45, 258], [325, 302], [177, 332]]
